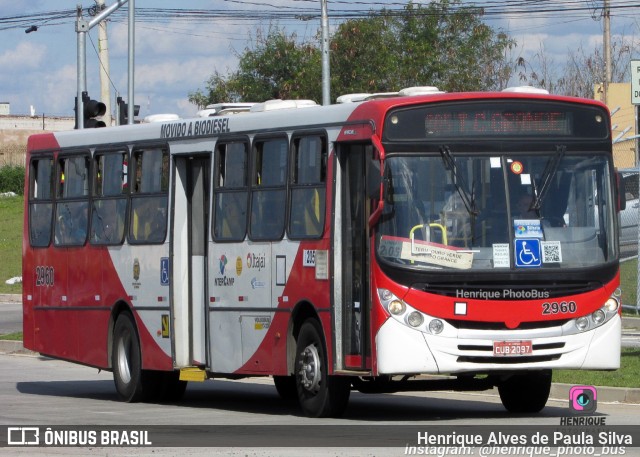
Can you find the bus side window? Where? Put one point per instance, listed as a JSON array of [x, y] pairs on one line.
[[71, 223], [230, 204], [149, 198], [268, 190], [73, 177], [308, 175], [148, 219], [71, 215], [109, 209], [41, 202]]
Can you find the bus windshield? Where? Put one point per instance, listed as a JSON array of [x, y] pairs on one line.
[[461, 211]]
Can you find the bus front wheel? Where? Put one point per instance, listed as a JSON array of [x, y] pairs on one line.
[[527, 392], [319, 394], [286, 388]]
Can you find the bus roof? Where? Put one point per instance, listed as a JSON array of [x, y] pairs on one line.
[[276, 116]]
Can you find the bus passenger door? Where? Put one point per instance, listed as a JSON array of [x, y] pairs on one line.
[[189, 268], [350, 251]]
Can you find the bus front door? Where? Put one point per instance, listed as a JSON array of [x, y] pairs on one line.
[[352, 300], [189, 266]]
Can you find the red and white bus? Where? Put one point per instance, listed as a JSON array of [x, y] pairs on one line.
[[351, 246]]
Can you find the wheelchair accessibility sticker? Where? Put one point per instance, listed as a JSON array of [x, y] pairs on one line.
[[164, 271], [528, 252]]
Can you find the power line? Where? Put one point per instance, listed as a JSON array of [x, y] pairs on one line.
[[101, 63], [488, 9]]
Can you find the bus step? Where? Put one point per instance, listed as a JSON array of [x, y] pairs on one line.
[[193, 374]]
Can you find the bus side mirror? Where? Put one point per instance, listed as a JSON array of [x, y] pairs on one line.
[[621, 196], [374, 183]]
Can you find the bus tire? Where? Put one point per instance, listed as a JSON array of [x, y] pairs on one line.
[[132, 384], [286, 388], [527, 392], [319, 395]]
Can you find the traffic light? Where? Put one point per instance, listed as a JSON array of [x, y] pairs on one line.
[[123, 111], [91, 109]]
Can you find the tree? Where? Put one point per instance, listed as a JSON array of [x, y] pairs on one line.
[[276, 67], [359, 66], [444, 44], [217, 90]]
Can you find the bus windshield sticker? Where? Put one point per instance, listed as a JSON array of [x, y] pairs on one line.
[[516, 167], [527, 253], [527, 228], [422, 251], [501, 256], [551, 252]]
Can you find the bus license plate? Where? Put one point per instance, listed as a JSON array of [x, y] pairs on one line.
[[512, 348]]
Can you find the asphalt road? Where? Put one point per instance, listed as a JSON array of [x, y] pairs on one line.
[[38, 390], [51, 393]]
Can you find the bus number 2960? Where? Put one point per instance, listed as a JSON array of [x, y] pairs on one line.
[[44, 276], [562, 307]]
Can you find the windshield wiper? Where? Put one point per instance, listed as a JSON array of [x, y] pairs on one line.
[[468, 198], [545, 179]]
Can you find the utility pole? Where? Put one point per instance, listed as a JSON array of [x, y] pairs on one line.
[[606, 17], [103, 52], [131, 60], [326, 74]]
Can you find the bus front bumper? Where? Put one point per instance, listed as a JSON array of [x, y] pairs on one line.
[[404, 350]]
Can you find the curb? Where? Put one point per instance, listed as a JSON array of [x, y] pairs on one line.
[[605, 394], [10, 298], [631, 322], [14, 348], [558, 392]]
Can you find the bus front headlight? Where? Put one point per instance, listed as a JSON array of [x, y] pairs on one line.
[[611, 305], [397, 307], [415, 319], [582, 323], [598, 316], [436, 326]]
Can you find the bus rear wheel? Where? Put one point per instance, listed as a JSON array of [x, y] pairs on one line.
[[134, 384], [127, 361], [319, 394], [527, 392]]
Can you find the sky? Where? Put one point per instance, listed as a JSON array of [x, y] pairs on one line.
[[175, 56]]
